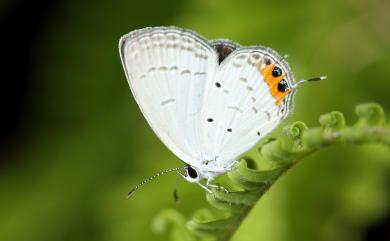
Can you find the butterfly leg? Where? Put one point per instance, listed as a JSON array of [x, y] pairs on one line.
[[200, 184], [215, 186], [205, 188], [232, 165]]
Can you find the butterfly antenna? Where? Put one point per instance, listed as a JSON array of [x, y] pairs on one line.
[[310, 80], [151, 178]]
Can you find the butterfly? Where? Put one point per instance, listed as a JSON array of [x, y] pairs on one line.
[[208, 101]]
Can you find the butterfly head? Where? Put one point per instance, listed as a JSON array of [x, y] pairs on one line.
[[192, 174]]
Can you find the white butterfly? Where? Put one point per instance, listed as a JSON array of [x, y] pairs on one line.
[[208, 102]]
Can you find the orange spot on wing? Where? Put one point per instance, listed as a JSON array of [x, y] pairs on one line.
[[273, 82], [267, 74], [280, 96]]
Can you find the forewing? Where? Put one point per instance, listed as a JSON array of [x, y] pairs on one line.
[[167, 69], [239, 108]]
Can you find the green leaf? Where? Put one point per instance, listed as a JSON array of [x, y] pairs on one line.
[[295, 143]]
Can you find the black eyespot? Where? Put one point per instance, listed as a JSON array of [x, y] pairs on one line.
[[276, 72], [210, 120], [191, 172], [218, 84], [283, 86], [229, 130]]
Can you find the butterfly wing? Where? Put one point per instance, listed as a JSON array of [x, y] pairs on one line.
[[167, 69], [241, 104]]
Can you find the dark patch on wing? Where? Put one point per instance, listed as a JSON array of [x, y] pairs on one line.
[[224, 48]]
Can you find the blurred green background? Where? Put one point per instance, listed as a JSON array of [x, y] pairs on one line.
[[74, 142]]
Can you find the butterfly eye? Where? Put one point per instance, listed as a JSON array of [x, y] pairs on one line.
[[283, 86], [276, 72], [191, 172]]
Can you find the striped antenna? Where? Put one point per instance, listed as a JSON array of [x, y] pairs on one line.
[[310, 80], [151, 178], [318, 78]]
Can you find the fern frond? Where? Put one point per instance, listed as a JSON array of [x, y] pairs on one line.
[[295, 143]]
